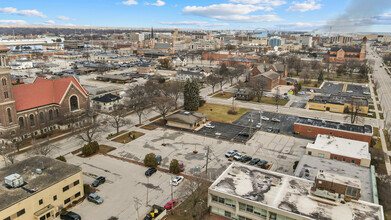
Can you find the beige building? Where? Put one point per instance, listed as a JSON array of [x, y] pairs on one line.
[[335, 148], [247, 192], [38, 188], [186, 119]]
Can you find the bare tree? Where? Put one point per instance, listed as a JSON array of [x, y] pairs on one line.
[[258, 86], [138, 100], [353, 110], [212, 80], [162, 105], [222, 74], [238, 72], [7, 151], [195, 189], [43, 148], [117, 118], [174, 90], [90, 131]]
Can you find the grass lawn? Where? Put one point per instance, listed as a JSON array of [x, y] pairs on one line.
[[376, 132], [379, 107], [387, 139], [378, 145], [225, 95], [344, 77], [125, 138], [381, 115], [110, 136], [371, 107], [149, 127], [219, 113], [271, 100]]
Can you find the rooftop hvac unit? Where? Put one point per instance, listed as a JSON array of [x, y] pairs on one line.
[[14, 180]]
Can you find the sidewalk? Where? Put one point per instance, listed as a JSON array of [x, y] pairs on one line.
[[380, 125]]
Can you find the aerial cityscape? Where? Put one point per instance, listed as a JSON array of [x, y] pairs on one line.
[[195, 110]]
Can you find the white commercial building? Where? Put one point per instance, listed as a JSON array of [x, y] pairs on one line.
[[247, 192]]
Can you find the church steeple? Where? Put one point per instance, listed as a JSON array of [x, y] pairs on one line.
[[8, 118]]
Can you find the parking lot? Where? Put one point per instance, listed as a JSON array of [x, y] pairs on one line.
[[282, 150], [226, 131], [124, 183], [285, 125], [358, 91], [332, 88], [351, 89]]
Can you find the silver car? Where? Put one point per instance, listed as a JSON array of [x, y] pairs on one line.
[[95, 198]]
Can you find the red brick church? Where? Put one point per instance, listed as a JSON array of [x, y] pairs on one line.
[[36, 108]]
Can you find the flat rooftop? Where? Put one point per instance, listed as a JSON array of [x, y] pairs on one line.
[[363, 129], [339, 179], [53, 171], [308, 168], [288, 193], [341, 146]]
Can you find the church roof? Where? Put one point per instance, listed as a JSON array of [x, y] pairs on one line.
[[42, 92]]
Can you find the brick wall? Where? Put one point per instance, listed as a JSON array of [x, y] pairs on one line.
[[347, 159], [313, 131]]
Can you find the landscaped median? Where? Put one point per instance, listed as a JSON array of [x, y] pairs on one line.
[[219, 113], [128, 137]]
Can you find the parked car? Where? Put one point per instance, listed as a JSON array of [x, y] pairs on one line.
[[181, 167], [269, 129], [265, 118], [94, 198], [176, 180], [159, 159], [237, 156], [254, 161], [209, 125], [150, 171], [261, 162], [245, 159], [276, 130], [98, 181], [244, 134], [258, 125], [276, 120], [70, 216], [170, 204], [231, 153], [301, 93]]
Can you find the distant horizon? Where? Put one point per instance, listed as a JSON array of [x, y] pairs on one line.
[[339, 16], [179, 28]]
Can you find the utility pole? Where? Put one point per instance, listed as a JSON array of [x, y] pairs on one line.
[[147, 191], [207, 161], [137, 202]]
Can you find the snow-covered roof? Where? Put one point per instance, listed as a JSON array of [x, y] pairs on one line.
[[288, 193], [341, 146]]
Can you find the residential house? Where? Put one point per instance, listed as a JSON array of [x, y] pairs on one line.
[[106, 102], [186, 119]]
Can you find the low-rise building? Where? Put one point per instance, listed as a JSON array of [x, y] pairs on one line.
[[309, 166], [106, 102], [38, 188], [347, 150], [342, 54], [271, 79], [186, 119], [338, 103], [310, 127], [247, 192]]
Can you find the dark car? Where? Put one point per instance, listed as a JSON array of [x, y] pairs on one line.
[[244, 134], [245, 159], [150, 171], [262, 162], [159, 159], [70, 216], [276, 130], [254, 161], [98, 181]]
